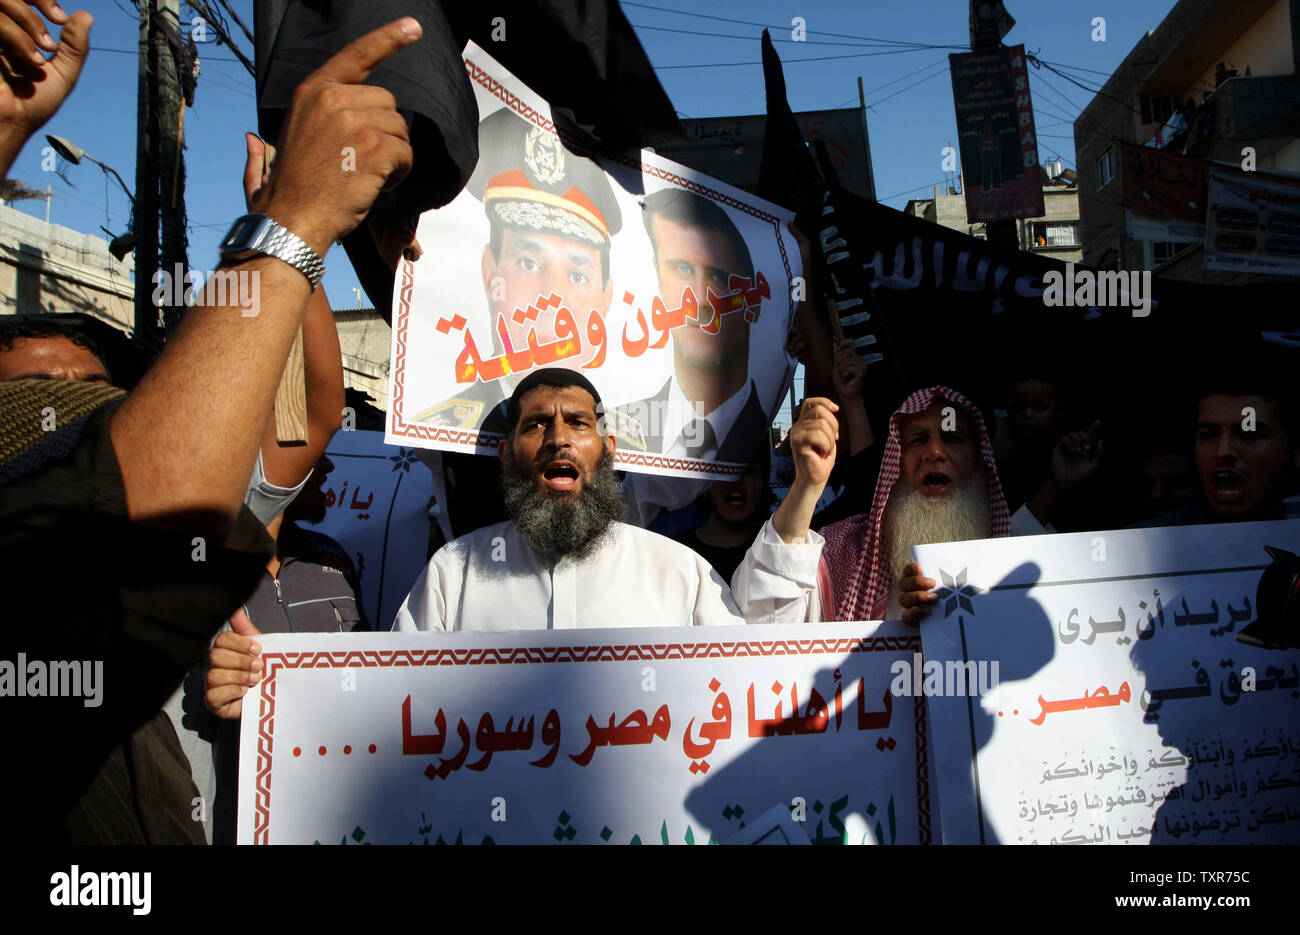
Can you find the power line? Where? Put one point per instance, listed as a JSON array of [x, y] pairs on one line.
[[791, 61], [783, 27], [1095, 122], [712, 35], [61, 192], [100, 48], [882, 87], [1127, 105], [909, 87], [218, 25], [238, 22], [855, 99], [226, 85], [918, 188]]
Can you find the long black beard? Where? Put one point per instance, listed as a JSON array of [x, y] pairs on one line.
[[563, 526]]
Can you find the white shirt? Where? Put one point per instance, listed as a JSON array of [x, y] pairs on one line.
[[648, 495], [492, 579], [681, 412], [776, 582]]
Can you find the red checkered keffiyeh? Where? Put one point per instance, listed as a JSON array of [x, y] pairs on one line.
[[854, 577]]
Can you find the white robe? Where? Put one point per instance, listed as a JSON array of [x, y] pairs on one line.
[[492, 579], [777, 582]]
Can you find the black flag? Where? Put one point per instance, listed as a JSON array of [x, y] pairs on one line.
[[580, 55]]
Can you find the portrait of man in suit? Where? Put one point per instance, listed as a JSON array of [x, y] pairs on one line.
[[709, 409]]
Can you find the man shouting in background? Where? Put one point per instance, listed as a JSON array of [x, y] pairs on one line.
[[938, 483]]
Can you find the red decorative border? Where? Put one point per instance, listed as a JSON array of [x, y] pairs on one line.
[[525, 655], [401, 427]]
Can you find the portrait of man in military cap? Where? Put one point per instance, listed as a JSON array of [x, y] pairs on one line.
[[551, 217]]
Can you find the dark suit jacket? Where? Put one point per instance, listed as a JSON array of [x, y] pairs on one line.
[[737, 445]]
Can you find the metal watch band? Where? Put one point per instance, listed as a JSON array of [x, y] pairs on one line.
[[257, 233], [283, 244]]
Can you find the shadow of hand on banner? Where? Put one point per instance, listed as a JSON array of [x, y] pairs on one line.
[[879, 802], [788, 788], [1225, 785], [1034, 646]]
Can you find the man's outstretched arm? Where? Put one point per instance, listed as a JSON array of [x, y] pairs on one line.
[[186, 439]]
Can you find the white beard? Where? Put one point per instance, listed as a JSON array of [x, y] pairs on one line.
[[913, 518]]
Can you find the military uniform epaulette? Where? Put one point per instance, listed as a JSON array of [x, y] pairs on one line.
[[627, 430]]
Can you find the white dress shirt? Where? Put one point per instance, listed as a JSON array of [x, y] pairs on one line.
[[648, 495], [492, 579]]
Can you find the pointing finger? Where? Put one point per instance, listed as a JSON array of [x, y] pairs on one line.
[[354, 62]]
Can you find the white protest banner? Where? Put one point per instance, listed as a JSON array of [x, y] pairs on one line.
[[1126, 711], [1253, 223], [666, 735], [669, 290], [376, 507]]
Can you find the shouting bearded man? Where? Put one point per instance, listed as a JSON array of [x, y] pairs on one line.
[[563, 559], [938, 483]]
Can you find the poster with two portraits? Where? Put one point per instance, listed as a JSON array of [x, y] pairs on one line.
[[670, 291]]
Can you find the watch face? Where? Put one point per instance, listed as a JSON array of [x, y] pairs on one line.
[[242, 232]]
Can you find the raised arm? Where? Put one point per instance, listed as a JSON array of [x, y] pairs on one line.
[[812, 443], [289, 465], [186, 439], [33, 88]]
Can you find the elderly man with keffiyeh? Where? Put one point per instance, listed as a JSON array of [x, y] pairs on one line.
[[938, 483]]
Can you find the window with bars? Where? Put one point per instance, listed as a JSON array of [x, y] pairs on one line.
[[1054, 235]]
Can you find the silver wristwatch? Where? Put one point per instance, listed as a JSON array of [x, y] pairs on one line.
[[257, 233]]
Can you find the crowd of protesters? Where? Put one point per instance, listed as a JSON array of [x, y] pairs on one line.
[[108, 499]]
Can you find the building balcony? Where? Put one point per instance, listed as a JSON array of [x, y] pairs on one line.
[[1247, 109]]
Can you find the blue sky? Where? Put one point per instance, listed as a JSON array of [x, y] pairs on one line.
[[908, 93]]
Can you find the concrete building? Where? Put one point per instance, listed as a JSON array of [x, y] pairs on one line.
[[47, 269], [1236, 62], [1055, 234], [365, 339], [53, 270]]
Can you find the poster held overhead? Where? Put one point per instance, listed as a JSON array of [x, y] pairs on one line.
[[669, 290]]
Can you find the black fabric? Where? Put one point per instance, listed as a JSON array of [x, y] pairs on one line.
[[858, 475], [788, 175], [428, 79], [85, 584], [143, 794], [580, 55], [473, 484], [724, 559]]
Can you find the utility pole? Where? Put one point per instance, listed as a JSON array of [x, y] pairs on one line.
[[160, 235], [146, 187], [171, 163]]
